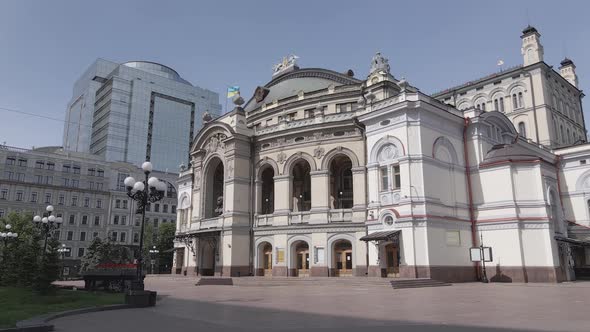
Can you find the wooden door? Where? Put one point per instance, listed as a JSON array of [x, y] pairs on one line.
[[391, 252]]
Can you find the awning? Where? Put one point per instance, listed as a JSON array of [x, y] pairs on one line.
[[572, 241], [382, 236]]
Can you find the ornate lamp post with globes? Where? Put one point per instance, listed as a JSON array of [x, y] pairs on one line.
[[144, 192], [7, 236], [48, 223]]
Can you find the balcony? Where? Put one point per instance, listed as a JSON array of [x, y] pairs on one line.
[[340, 215], [263, 220], [299, 217]]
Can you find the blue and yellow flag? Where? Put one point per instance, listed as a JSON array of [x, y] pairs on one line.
[[232, 91]]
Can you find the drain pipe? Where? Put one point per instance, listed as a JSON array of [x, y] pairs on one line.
[[466, 124], [252, 208]]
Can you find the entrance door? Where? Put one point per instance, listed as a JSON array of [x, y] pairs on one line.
[[391, 253], [343, 258], [267, 262], [303, 262]]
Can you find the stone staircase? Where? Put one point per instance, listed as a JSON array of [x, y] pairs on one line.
[[417, 283]]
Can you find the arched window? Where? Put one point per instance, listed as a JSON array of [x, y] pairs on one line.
[[514, 101], [341, 183], [522, 129], [520, 100], [389, 168], [214, 189], [561, 133], [569, 136], [496, 104], [502, 104], [268, 190], [301, 188]]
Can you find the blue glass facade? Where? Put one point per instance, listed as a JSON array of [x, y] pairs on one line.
[[136, 111]]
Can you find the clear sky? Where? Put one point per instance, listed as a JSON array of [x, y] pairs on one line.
[[46, 45]]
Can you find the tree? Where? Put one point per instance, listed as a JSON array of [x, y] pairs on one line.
[[100, 252], [21, 266], [165, 245], [49, 267]]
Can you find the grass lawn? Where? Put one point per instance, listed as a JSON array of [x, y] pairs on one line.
[[20, 303]]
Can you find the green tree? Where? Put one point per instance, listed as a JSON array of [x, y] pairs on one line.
[[165, 245], [100, 252], [21, 255], [49, 268]]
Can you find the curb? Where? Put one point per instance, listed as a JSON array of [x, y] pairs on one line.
[[41, 323]]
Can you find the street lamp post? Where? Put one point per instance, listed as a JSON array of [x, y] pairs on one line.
[[48, 223], [153, 253], [7, 236], [63, 250], [143, 192]]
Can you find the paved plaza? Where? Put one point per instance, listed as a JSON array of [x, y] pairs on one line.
[[346, 305]]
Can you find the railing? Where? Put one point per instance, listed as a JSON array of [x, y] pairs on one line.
[[264, 220], [340, 215], [210, 223], [299, 217]]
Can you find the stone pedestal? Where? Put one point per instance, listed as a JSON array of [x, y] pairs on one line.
[[140, 298]]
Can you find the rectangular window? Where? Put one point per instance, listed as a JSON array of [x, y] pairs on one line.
[[125, 204], [91, 185], [135, 237], [173, 209], [100, 173], [97, 221], [80, 252], [148, 207], [384, 178], [74, 200], [98, 186], [94, 235], [82, 236], [47, 198], [66, 182], [165, 208], [34, 197], [113, 236], [21, 177], [66, 168], [19, 196], [70, 236], [75, 183], [453, 238], [9, 175], [396, 178], [4, 194], [68, 253], [341, 108], [137, 222], [116, 220], [120, 178], [10, 160], [157, 208], [50, 166], [39, 179], [61, 200], [84, 220], [49, 179], [309, 113], [123, 237], [40, 164], [72, 219], [76, 169], [91, 171], [156, 222], [56, 235], [99, 203], [123, 220], [22, 162], [118, 204], [86, 201]]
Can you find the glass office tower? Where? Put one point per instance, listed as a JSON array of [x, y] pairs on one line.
[[136, 111]]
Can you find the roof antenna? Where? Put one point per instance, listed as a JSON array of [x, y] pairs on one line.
[[528, 19]]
